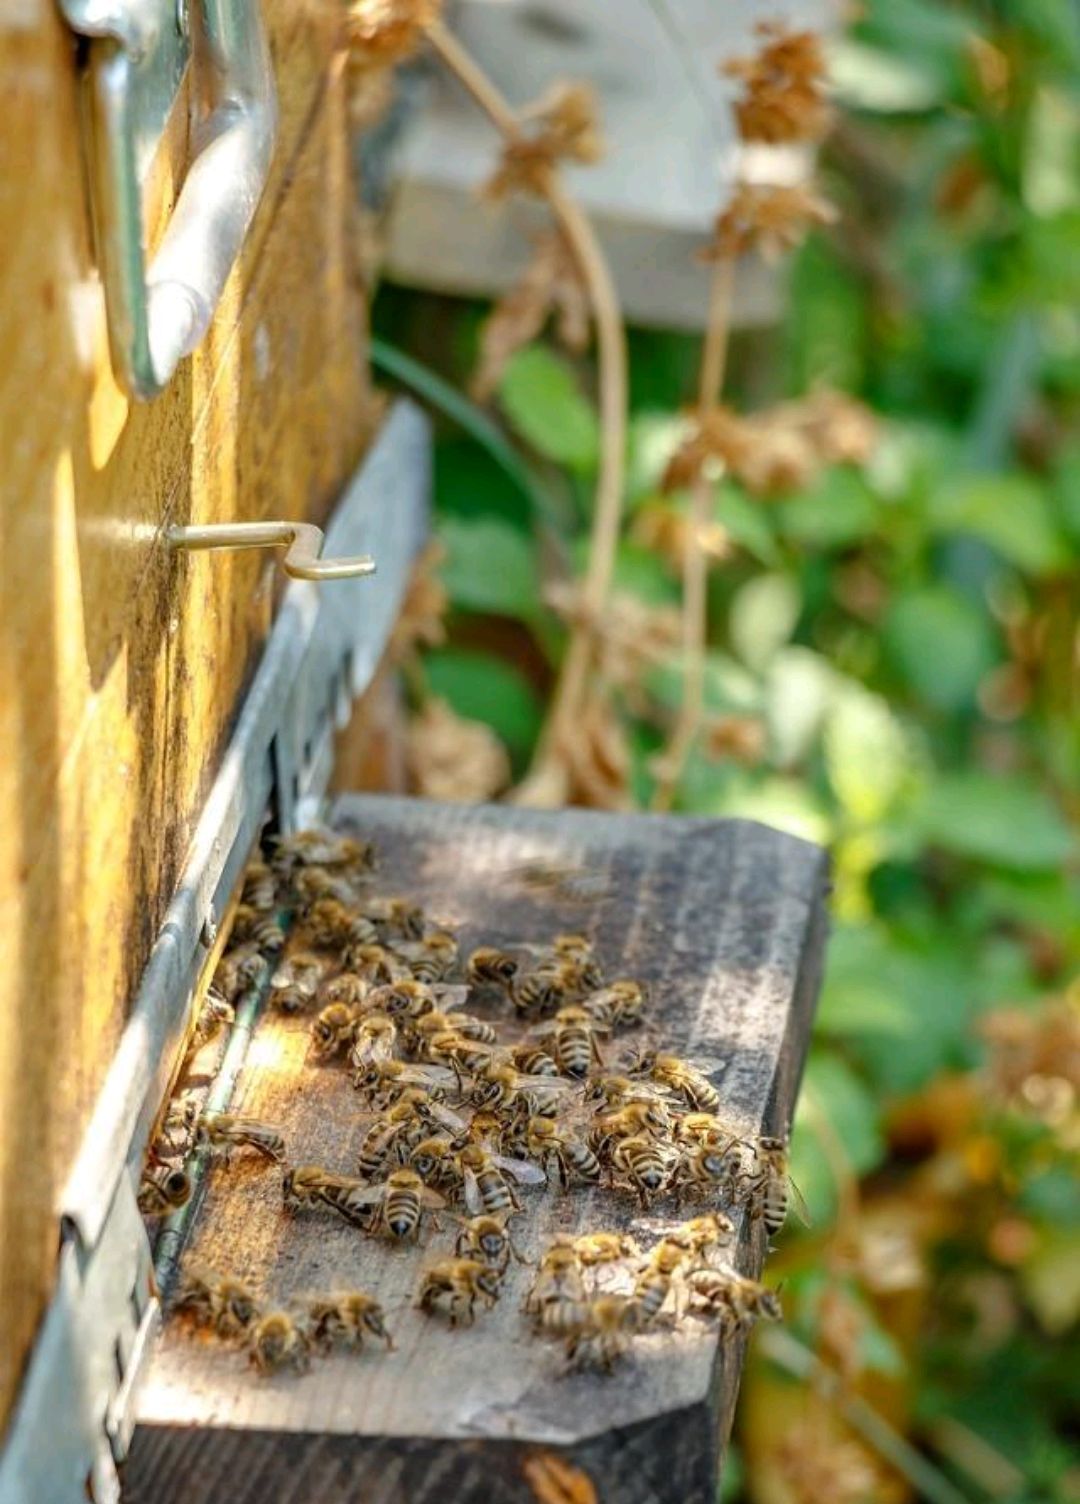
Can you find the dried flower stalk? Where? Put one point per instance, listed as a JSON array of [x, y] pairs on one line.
[[548, 782]]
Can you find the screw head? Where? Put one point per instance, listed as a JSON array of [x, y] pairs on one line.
[[182, 17]]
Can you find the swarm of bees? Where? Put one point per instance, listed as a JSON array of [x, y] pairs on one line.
[[467, 1113]]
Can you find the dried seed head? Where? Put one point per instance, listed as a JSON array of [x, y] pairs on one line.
[[768, 218], [783, 94], [382, 32], [563, 126]]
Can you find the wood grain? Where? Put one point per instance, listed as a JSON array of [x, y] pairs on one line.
[[724, 920], [122, 665]]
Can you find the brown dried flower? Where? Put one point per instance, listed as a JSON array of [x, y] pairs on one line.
[[564, 127], [742, 738], [551, 285], [630, 638], [769, 218], [454, 759], [597, 757], [778, 451], [666, 530], [382, 32], [817, 1461], [783, 96]]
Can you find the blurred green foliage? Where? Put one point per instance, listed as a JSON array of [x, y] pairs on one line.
[[905, 636]]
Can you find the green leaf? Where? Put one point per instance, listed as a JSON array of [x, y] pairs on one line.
[[746, 522], [838, 511], [1010, 512], [798, 689], [763, 616], [642, 573], [941, 642], [867, 755], [490, 566], [1007, 821], [540, 396], [784, 803], [836, 1125], [482, 687], [651, 441]]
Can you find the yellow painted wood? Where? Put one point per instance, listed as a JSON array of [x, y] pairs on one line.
[[120, 665]]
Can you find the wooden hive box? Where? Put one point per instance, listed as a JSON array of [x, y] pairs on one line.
[[725, 922]]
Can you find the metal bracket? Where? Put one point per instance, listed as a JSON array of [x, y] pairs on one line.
[[139, 52], [72, 1421]]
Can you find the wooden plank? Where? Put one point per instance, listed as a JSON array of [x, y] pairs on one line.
[[122, 664], [670, 159], [724, 920]]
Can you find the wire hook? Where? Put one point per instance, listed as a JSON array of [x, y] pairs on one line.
[[304, 541]]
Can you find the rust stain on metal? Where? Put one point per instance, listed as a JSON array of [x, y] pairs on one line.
[[554, 1481]]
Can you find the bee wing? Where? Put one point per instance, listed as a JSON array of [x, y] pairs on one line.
[[432, 1199], [448, 1118], [543, 1030], [798, 1204], [428, 1075], [706, 1065], [355, 1194], [522, 1170], [474, 1202], [537, 1086], [450, 997]]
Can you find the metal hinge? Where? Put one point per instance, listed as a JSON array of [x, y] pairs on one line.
[[73, 1419]]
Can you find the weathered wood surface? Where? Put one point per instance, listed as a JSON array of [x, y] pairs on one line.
[[122, 666], [725, 920]]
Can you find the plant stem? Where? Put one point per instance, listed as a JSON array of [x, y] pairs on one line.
[[791, 1355], [547, 782], [695, 561]]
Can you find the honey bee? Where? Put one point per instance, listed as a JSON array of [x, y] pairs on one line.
[[465, 1057], [703, 1168], [558, 1280], [250, 926], [712, 1232], [737, 1300], [488, 1240], [344, 1319], [536, 994], [241, 968], [636, 1119], [383, 1138], [771, 1189], [612, 1092], [594, 1248], [489, 1180], [383, 1082], [488, 967], [223, 1303], [618, 1005], [435, 1160], [531, 1060], [309, 884], [347, 987], [319, 847], [573, 1041], [296, 981], [596, 1331], [683, 1077], [311, 1186], [580, 950], [260, 886], [375, 963], [455, 1285], [221, 1132], [276, 1342], [373, 1039], [395, 918], [645, 1163], [656, 1282], [330, 924], [397, 1205], [406, 998], [332, 1030], [163, 1189], [214, 1015], [708, 1129], [431, 959], [499, 1088], [545, 1140]]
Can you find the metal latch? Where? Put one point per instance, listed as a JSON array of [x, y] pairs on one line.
[[138, 55]]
